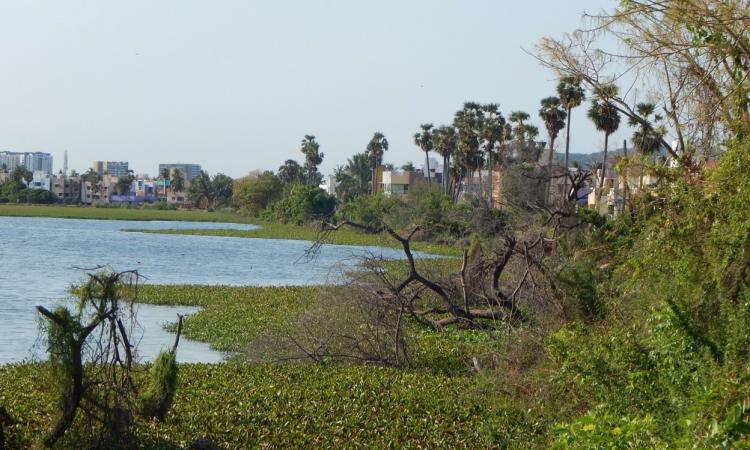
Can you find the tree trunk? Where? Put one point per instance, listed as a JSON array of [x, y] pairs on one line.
[[604, 160], [549, 170], [567, 149], [445, 175], [489, 176], [427, 162]]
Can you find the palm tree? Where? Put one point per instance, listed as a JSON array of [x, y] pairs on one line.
[[647, 139], [375, 150], [468, 122], [519, 128], [313, 156], [491, 134], [353, 179], [571, 95], [444, 143], [423, 140], [606, 119], [164, 175], [291, 172], [554, 120], [177, 180], [201, 191]]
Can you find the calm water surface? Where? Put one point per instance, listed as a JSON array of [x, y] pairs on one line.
[[41, 257]]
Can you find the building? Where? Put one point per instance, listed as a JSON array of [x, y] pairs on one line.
[[101, 192], [32, 161], [329, 184], [38, 162], [398, 182], [436, 170], [113, 168], [10, 160], [66, 189], [190, 171], [41, 180]]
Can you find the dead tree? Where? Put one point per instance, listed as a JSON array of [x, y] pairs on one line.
[[92, 353], [477, 297]]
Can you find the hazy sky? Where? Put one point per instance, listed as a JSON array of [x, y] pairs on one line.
[[234, 85]]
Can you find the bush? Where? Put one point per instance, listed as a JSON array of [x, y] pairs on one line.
[[304, 204], [254, 194], [159, 394]]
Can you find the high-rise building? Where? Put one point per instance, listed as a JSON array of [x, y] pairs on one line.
[[114, 168], [38, 162], [32, 161], [189, 170], [10, 160]]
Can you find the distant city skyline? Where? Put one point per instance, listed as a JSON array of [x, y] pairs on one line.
[[234, 86]]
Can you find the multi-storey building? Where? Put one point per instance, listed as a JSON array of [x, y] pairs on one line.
[[113, 168], [38, 162], [66, 189], [10, 160], [190, 171], [33, 161]]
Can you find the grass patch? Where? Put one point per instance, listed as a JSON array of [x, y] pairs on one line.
[[231, 317], [269, 230], [89, 212], [243, 406]]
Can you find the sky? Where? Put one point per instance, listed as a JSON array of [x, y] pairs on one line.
[[235, 85]]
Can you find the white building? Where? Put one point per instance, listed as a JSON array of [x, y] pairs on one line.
[[42, 180], [329, 184]]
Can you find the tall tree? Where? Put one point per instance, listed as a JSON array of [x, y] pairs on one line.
[[571, 95], [491, 134], [606, 119], [223, 188], [313, 156], [553, 117], [201, 191], [353, 179], [164, 175], [291, 172], [177, 180], [468, 157], [376, 148], [124, 183], [444, 143], [649, 136], [423, 140]]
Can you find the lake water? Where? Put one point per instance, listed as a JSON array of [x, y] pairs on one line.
[[40, 258]]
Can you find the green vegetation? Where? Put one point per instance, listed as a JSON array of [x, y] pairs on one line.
[[241, 405], [85, 212], [270, 230], [231, 317], [558, 327]]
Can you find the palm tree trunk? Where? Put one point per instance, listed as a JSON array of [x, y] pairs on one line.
[[549, 170], [446, 175], [427, 161], [604, 160], [567, 148], [489, 176]]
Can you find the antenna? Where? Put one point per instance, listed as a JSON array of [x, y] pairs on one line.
[[65, 163]]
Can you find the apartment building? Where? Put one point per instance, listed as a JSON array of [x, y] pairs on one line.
[[32, 161], [113, 168], [190, 171]]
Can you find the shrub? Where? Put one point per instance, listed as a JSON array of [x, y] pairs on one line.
[[303, 204], [159, 394]]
